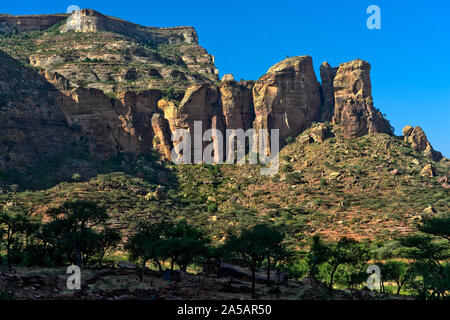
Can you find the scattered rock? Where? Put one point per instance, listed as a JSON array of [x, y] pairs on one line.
[[429, 210], [394, 172], [428, 171], [319, 132]]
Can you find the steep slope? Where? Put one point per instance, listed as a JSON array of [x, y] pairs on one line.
[[110, 54], [90, 105], [32, 126]]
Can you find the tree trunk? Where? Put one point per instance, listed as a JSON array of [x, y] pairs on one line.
[[268, 272], [8, 253], [253, 282], [159, 265], [399, 287], [331, 278]]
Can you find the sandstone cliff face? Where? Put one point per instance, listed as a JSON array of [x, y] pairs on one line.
[[287, 97], [162, 140], [110, 125], [353, 101], [201, 103], [126, 61], [236, 100], [32, 127], [419, 142], [87, 20], [11, 24], [327, 74]]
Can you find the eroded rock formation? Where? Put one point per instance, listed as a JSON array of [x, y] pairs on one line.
[[327, 74], [419, 142], [236, 101], [353, 101], [287, 97], [65, 102]]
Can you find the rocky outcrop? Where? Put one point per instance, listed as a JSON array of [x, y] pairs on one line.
[[327, 74], [87, 20], [32, 126], [13, 24], [419, 142], [200, 103], [353, 101], [162, 141], [287, 97], [236, 101], [228, 77], [111, 126], [428, 171]]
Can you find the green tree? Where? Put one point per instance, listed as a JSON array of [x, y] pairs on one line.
[[145, 244], [318, 254], [107, 239], [179, 242], [75, 227], [183, 243], [13, 224], [437, 226], [430, 265], [255, 245], [397, 271], [346, 252]]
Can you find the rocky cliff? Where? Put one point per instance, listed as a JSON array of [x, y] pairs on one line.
[[287, 97], [123, 88], [354, 103], [14, 24], [32, 126]]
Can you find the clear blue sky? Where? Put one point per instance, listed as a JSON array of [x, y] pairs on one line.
[[410, 55]]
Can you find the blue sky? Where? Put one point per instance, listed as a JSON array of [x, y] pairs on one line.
[[410, 54]]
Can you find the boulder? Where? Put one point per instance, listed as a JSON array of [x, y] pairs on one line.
[[429, 210], [419, 142], [318, 132], [227, 77]]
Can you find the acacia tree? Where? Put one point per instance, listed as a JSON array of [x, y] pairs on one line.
[[318, 254], [254, 245], [145, 244], [183, 243], [281, 256], [437, 226], [397, 271], [75, 228], [106, 239], [346, 251], [430, 253], [430, 265], [13, 224], [180, 242]]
